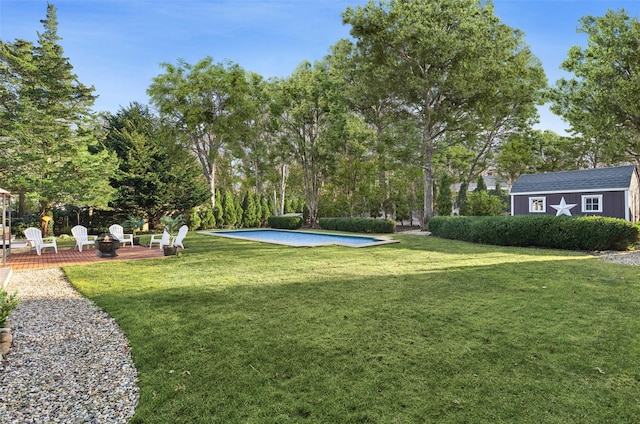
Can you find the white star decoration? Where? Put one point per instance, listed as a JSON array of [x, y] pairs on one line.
[[563, 208]]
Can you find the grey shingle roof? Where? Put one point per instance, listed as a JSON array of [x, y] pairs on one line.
[[584, 179]]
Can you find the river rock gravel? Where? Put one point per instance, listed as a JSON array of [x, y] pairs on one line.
[[69, 362], [624, 258]]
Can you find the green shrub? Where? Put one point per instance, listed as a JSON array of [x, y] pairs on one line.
[[8, 302], [207, 219], [570, 233], [285, 222], [194, 219], [481, 203], [358, 225]]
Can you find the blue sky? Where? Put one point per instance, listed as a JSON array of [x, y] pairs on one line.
[[117, 45]]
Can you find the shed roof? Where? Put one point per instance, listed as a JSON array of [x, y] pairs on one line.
[[596, 179]]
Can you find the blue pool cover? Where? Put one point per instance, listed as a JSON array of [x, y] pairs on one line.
[[303, 238]]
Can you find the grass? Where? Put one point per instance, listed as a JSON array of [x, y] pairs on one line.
[[426, 330]]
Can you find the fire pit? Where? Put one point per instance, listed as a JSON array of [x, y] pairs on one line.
[[107, 245]]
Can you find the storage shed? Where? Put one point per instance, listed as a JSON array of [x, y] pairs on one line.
[[612, 192]]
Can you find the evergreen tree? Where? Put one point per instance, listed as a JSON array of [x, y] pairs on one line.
[[267, 210], [208, 219], [257, 220], [248, 211], [461, 198], [444, 202], [218, 212], [239, 211], [289, 206], [194, 219], [229, 208], [504, 197], [480, 185], [47, 128], [155, 175]]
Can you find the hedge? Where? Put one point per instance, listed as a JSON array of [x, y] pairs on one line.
[[358, 225], [285, 222], [557, 232]]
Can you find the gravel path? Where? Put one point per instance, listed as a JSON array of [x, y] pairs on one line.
[[625, 258], [69, 363]]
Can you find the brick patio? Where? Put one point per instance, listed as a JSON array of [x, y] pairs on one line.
[[22, 259]]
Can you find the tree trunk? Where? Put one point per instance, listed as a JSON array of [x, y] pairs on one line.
[[275, 203], [22, 197], [212, 187], [284, 172], [427, 212]]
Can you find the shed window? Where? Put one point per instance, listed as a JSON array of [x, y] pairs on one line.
[[537, 204], [592, 203]]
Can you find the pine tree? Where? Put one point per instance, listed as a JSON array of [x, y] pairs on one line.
[[47, 124]]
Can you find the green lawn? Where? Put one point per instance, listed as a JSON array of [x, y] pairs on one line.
[[422, 331]]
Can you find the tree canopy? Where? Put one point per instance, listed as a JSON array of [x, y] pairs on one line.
[[455, 68], [155, 175], [207, 105], [602, 101], [47, 128], [423, 90]]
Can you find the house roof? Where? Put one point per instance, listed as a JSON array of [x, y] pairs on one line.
[[596, 179], [489, 181]]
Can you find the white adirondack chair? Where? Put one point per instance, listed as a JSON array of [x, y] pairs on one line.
[[162, 240], [80, 234], [182, 233], [118, 232], [34, 238]]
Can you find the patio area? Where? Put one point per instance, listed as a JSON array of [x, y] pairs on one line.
[[23, 259]]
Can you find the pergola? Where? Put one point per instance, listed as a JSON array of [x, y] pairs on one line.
[[5, 234]]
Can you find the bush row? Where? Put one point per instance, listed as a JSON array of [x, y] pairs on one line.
[[358, 225], [556, 232], [285, 222]]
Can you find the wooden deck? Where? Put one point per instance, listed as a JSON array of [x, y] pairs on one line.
[[23, 259]]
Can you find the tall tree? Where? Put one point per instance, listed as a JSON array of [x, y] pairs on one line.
[[207, 105], [47, 129], [444, 202], [156, 176], [446, 58], [253, 149], [516, 156], [378, 109], [602, 101], [311, 114]]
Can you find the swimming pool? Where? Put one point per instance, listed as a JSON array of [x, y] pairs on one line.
[[302, 238]]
